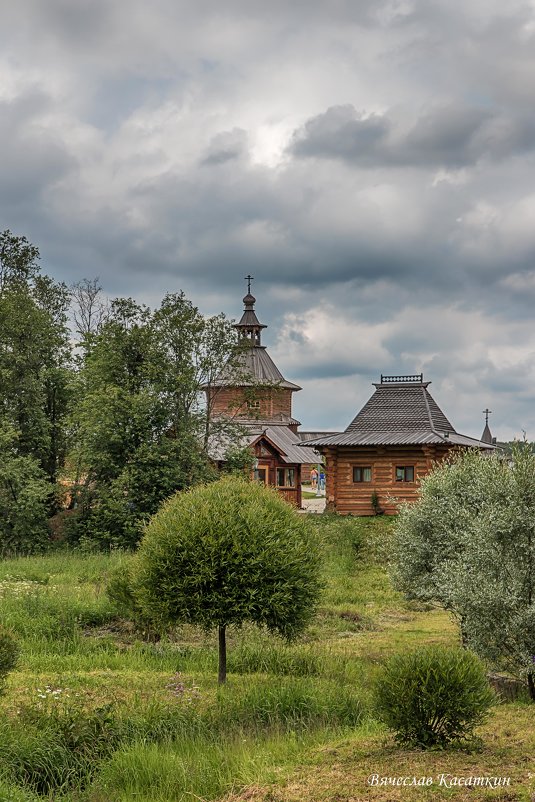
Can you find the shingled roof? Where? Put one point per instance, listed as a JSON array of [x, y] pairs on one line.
[[282, 437], [400, 412], [254, 367]]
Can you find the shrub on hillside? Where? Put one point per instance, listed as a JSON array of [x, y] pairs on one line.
[[120, 590], [433, 696], [9, 652]]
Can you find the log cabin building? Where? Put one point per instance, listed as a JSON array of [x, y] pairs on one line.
[[258, 399], [394, 441]]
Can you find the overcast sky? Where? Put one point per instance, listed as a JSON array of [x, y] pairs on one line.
[[370, 163]]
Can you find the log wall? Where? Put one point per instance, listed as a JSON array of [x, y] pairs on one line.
[[354, 498], [232, 401]]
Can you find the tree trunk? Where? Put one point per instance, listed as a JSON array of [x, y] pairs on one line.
[[464, 636], [222, 676], [531, 686]]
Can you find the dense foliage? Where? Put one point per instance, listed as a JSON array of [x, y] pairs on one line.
[[114, 416], [24, 499], [469, 545], [226, 553], [433, 696], [34, 395], [34, 355], [140, 432]]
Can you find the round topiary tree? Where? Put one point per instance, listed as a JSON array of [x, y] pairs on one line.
[[225, 553], [433, 696]]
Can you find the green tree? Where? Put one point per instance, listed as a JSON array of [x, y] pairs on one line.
[[432, 534], [34, 354], [226, 553], [19, 261], [138, 421], [24, 499], [469, 545], [193, 351]]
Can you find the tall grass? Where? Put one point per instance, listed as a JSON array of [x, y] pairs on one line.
[[125, 736], [60, 744], [195, 768]]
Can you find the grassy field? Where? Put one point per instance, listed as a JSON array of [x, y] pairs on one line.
[[96, 713]]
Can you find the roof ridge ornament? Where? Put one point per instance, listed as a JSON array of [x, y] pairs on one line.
[[413, 378]]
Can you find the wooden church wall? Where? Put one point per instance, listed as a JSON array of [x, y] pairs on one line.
[[233, 401], [354, 498]]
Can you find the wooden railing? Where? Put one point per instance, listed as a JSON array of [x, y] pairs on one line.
[[290, 495]]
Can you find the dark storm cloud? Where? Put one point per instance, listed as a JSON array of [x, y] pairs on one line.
[[342, 133], [226, 146], [451, 135], [372, 164], [33, 158]]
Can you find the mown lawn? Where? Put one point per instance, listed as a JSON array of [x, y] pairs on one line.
[[96, 713]]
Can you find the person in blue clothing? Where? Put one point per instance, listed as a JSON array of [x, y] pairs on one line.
[[321, 480]]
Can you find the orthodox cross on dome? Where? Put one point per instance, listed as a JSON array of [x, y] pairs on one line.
[[248, 279], [486, 437]]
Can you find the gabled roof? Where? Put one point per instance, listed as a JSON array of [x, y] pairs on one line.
[[280, 437], [288, 444], [400, 412]]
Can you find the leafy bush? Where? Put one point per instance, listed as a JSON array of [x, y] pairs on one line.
[[104, 520], [433, 696], [120, 590], [9, 652]]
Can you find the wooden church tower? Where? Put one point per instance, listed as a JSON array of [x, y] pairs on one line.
[[255, 387], [255, 394]]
